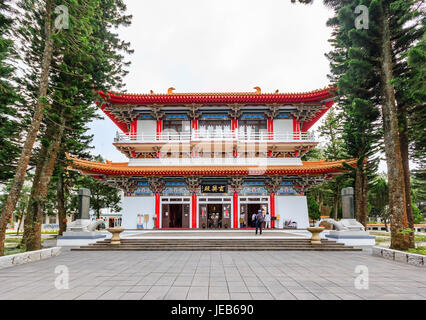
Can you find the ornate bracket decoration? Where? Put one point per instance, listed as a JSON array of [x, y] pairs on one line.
[[193, 112], [302, 184], [237, 183], [306, 113], [156, 184], [273, 184], [273, 111], [124, 183], [193, 184], [125, 114], [236, 111], [156, 111]]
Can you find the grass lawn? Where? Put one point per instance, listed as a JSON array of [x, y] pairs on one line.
[[383, 239], [418, 250]]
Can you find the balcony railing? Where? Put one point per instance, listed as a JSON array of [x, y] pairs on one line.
[[197, 136]]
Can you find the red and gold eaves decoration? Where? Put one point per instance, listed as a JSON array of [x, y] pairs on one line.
[[256, 97], [123, 169]]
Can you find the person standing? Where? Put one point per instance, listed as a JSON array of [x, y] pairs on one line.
[[253, 220], [267, 221], [259, 221]]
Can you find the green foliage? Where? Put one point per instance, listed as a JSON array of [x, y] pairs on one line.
[[313, 209], [10, 123]]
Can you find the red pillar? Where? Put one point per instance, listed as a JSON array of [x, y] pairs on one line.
[[234, 127], [159, 128], [133, 129], [270, 133], [235, 210], [195, 127], [157, 210], [194, 210], [296, 129], [296, 132], [272, 203], [270, 128]]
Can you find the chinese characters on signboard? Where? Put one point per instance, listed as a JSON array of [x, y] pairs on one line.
[[214, 188]]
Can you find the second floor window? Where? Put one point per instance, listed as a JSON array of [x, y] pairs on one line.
[[253, 129], [214, 128], [176, 129]]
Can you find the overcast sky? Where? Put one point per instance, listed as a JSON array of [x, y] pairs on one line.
[[221, 45]]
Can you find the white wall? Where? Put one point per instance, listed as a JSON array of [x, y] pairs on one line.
[[132, 206], [147, 127], [293, 208], [283, 126]]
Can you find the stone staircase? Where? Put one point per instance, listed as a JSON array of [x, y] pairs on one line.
[[257, 244]]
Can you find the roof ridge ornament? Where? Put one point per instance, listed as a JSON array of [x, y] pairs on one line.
[[258, 90], [170, 90]]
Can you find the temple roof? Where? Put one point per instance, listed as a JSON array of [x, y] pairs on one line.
[[119, 106], [256, 97], [108, 168]]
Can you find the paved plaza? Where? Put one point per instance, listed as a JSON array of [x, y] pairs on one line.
[[287, 275]]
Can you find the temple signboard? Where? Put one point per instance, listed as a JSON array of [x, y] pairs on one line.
[[220, 187]]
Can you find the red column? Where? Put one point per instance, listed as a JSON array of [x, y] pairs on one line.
[[235, 210], [234, 127], [194, 210], [272, 203], [296, 129], [159, 128], [157, 210], [296, 132], [195, 127], [270, 128], [133, 129]]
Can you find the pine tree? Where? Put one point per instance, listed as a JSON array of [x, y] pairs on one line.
[[376, 50], [40, 104], [72, 107], [10, 126]]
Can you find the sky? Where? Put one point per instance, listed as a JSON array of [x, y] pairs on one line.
[[208, 46]]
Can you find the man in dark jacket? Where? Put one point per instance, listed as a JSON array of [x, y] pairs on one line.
[[259, 221]]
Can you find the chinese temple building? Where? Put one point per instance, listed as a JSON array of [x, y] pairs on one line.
[[203, 160]]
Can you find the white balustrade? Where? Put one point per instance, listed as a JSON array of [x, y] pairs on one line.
[[218, 135]]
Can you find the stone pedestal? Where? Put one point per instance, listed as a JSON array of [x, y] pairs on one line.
[[115, 239], [352, 237], [315, 239]]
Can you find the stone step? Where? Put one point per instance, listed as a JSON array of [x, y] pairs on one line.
[[303, 248], [264, 244]]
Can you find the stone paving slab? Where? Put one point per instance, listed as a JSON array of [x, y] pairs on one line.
[[213, 275]]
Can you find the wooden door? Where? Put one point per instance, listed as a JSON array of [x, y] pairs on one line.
[[185, 215], [202, 216], [165, 216], [226, 216]]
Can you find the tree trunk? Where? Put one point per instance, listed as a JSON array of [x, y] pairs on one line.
[[19, 225], [358, 194], [19, 178], [41, 188], [397, 201], [336, 207], [62, 214], [364, 202], [403, 137]]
